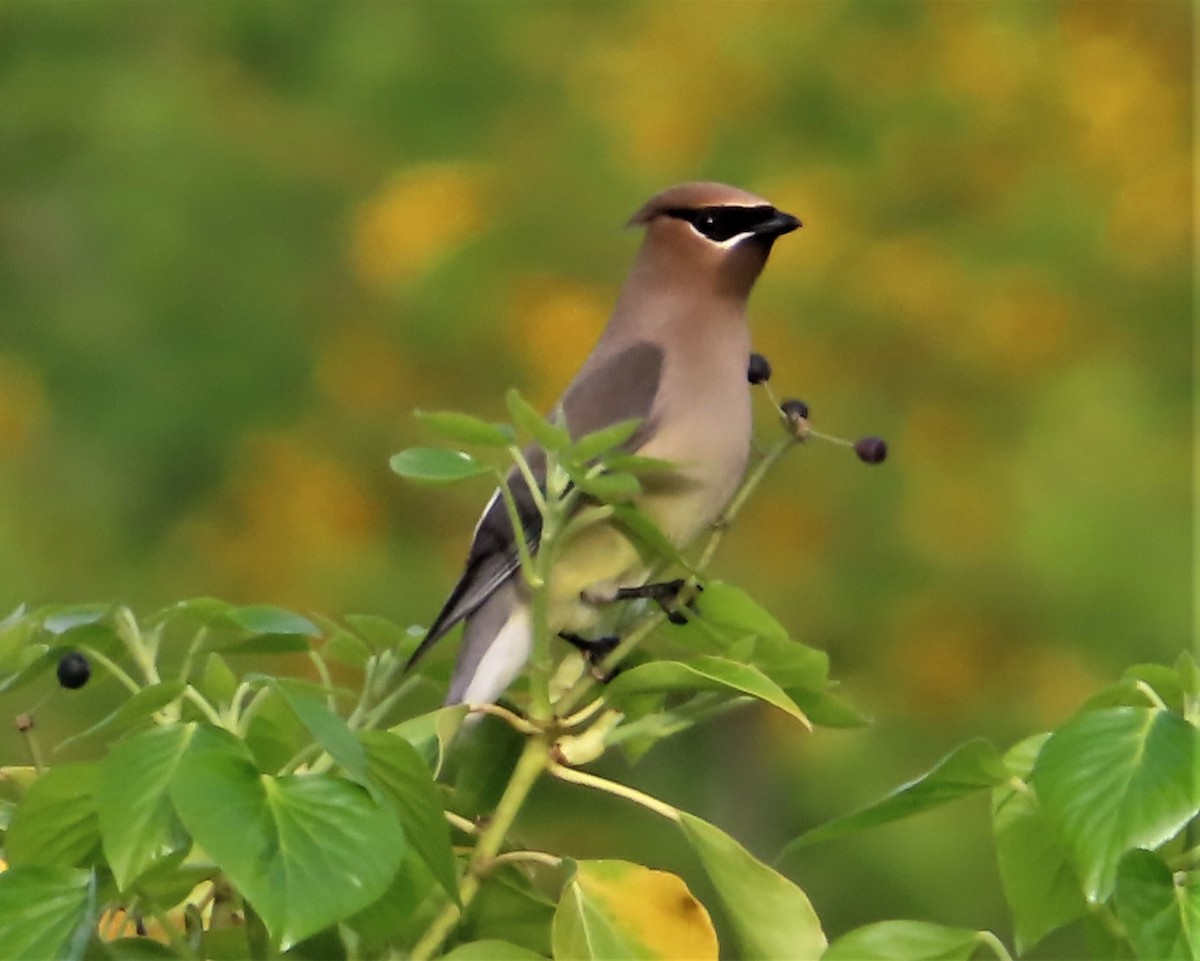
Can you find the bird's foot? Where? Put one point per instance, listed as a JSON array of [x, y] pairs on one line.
[[594, 651], [666, 595]]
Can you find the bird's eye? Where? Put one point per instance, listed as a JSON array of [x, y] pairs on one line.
[[722, 223]]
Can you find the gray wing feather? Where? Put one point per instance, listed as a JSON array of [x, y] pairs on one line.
[[620, 386]]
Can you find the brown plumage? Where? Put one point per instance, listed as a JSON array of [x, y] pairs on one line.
[[673, 355]]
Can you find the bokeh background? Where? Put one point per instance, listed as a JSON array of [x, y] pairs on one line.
[[240, 242]]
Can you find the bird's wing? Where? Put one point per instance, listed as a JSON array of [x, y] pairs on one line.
[[619, 387]]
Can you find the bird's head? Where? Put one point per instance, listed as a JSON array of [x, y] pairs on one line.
[[711, 235]]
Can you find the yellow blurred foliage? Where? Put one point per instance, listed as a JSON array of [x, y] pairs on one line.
[[664, 88], [23, 405], [941, 655], [286, 513], [415, 220], [950, 513], [556, 321], [1024, 323], [1151, 225], [989, 61], [361, 369], [912, 280]]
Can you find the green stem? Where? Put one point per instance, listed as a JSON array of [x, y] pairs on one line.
[[514, 519], [326, 680], [35, 752], [246, 715], [535, 491], [645, 627], [178, 941], [530, 765], [202, 703], [131, 637], [661, 808], [109, 665], [380, 710], [364, 697], [993, 942], [749, 486]]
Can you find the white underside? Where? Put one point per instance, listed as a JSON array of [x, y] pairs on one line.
[[504, 659]]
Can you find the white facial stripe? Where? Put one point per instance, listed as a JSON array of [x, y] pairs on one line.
[[724, 244]]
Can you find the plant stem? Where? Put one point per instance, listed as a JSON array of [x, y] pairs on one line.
[[35, 752], [661, 808], [993, 942], [749, 485], [205, 708], [645, 627], [530, 765], [379, 711], [111, 666], [515, 721], [537, 857], [131, 636]]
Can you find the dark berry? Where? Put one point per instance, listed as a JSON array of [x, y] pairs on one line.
[[760, 369], [871, 450], [793, 409], [73, 670]]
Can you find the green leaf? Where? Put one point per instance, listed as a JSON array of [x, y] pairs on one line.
[[402, 913], [637, 464], [909, 941], [54, 824], [327, 728], [771, 916], [432, 733], [509, 908], [465, 429], [704, 673], [968, 769], [384, 635], [826, 709], [218, 684], [434, 465], [137, 949], [1161, 918], [137, 822], [60, 620], [615, 909], [345, 647], [644, 532], [491, 950], [400, 775], [307, 851], [592, 445], [550, 436], [1040, 886], [264, 619], [26, 664], [1117, 779], [736, 614], [46, 912], [610, 487], [138, 708]]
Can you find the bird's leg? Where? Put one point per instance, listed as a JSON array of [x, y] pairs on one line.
[[594, 651], [663, 593]]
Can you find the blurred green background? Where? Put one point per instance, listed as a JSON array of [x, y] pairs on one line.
[[239, 242]]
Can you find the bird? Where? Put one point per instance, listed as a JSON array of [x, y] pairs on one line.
[[673, 355]]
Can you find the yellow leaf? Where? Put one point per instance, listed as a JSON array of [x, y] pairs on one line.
[[619, 909]]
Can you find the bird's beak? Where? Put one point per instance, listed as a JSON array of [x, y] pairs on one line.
[[778, 225]]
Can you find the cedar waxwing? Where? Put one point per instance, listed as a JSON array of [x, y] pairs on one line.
[[674, 355]]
